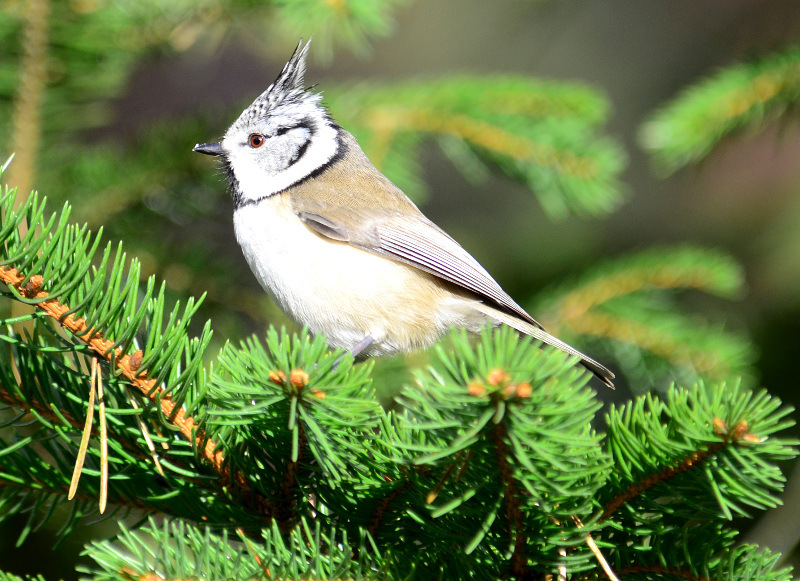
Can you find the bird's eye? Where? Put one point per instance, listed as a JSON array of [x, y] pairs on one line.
[[256, 140]]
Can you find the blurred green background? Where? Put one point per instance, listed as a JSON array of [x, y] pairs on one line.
[[128, 88]]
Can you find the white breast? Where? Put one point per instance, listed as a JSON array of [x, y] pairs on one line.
[[342, 291]]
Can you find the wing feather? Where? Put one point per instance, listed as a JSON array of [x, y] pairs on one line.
[[415, 240], [424, 245]]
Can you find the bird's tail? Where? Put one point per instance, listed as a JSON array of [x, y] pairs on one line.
[[601, 372]]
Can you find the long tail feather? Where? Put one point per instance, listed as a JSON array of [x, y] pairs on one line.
[[600, 371]]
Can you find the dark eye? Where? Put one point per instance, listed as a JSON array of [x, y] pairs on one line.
[[256, 140]]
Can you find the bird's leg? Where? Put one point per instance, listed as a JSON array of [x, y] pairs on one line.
[[357, 349]]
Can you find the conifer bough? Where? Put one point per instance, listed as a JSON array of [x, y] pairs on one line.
[[488, 467]]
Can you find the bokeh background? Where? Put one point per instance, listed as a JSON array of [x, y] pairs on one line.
[[123, 101]]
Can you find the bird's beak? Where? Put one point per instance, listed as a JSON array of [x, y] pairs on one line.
[[209, 149]]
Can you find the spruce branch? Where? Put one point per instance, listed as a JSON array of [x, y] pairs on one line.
[[698, 553], [684, 465], [126, 364], [497, 413], [489, 461], [632, 302], [297, 407], [544, 135], [692, 462], [175, 550], [103, 311], [714, 441], [744, 96], [386, 503], [512, 503]]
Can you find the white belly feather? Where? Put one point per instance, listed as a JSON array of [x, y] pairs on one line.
[[342, 291]]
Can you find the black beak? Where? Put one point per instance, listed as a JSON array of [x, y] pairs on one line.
[[209, 149]]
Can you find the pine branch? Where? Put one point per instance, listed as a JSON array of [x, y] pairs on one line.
[[631, 301], [503, 413], [713, 441], [511, 502], [683, 466], [541, 134], [698, 553], [692, 462], [307, 423], [489, 462], [126, 364], [105, 315], [387, 503], [745, 96], [179, 551]]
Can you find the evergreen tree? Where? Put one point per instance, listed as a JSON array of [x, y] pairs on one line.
[[491, 459]]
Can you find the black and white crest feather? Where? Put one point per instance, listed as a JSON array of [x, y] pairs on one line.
[[287, 88]]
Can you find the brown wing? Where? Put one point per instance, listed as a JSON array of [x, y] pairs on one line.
[[412, 239]]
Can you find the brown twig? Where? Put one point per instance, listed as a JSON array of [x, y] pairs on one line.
[[693, 460], [379, 514], [511, 501], [651, 480], [433, 494], [286, 512]]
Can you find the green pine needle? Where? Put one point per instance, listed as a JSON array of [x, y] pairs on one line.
[[488, 466], [179, 551]]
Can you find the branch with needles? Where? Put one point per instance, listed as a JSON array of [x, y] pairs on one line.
[[127, 366]]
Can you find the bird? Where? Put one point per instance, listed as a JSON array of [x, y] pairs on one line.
[[341, 249]]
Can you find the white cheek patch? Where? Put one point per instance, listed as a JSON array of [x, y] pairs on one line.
[[257, 182], [253, 182]]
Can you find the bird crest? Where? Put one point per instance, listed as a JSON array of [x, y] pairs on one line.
[[286, 89]]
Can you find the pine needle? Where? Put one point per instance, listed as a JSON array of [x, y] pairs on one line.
[[87, 430], [597, 553], [146, 434], [103, 438]]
